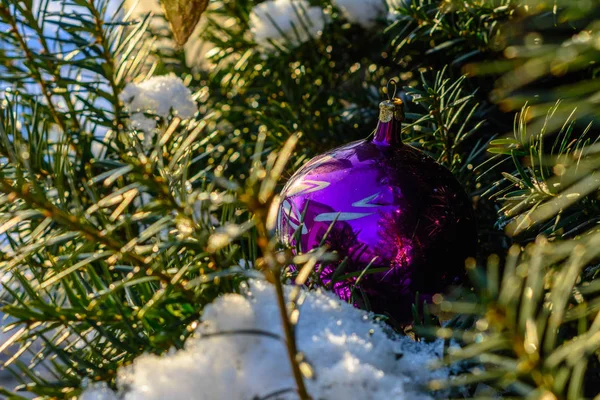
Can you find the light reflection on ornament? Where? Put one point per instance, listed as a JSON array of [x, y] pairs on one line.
[[393, 209]]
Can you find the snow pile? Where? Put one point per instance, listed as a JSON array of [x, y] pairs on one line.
[[285, 22], [352, 356], [362, 12], [157, 96]]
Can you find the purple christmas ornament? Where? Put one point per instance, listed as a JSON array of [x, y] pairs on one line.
[[392, 207]]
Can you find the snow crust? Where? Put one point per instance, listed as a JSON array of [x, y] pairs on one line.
[[237, 354]]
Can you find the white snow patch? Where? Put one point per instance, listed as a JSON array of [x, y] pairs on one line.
[[285, 22], [362, 12], [352, 356], [100, 391], [157, 96]]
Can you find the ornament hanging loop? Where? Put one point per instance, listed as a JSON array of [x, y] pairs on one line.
[[395, 84]]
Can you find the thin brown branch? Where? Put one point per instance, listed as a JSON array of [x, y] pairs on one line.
[[274, 275]]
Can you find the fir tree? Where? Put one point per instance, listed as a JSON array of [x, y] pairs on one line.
[[120, 222]]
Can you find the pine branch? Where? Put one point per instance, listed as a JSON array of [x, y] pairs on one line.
[[448, 121], [523, 334], [552, 191], [102, 250], [457, 30], [114, 253], [120, 250], [535, 72], [8, 17]]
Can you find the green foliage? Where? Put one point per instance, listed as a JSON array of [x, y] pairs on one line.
[[446, 123], [553, 189], [550, 51], [535, 326], [113, 242], [106, 239], [451, 31], [312, 89]]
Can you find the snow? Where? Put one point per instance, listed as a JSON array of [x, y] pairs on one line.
[[100, 391], [157, 96], [362, 12], [352, 356], [285, 22]]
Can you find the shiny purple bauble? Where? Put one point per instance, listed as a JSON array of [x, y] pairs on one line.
[[391, 208]]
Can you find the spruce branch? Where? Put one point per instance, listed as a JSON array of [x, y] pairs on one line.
[[533, 70], [457, 30], [8, 17], [90, 233], [116, 254], [110, 65], [521, 330], [551, 191], [448, 121]]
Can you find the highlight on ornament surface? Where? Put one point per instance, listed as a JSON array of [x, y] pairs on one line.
[[399, 222]]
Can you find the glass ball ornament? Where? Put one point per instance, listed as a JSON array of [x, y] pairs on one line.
[[400, 220]]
